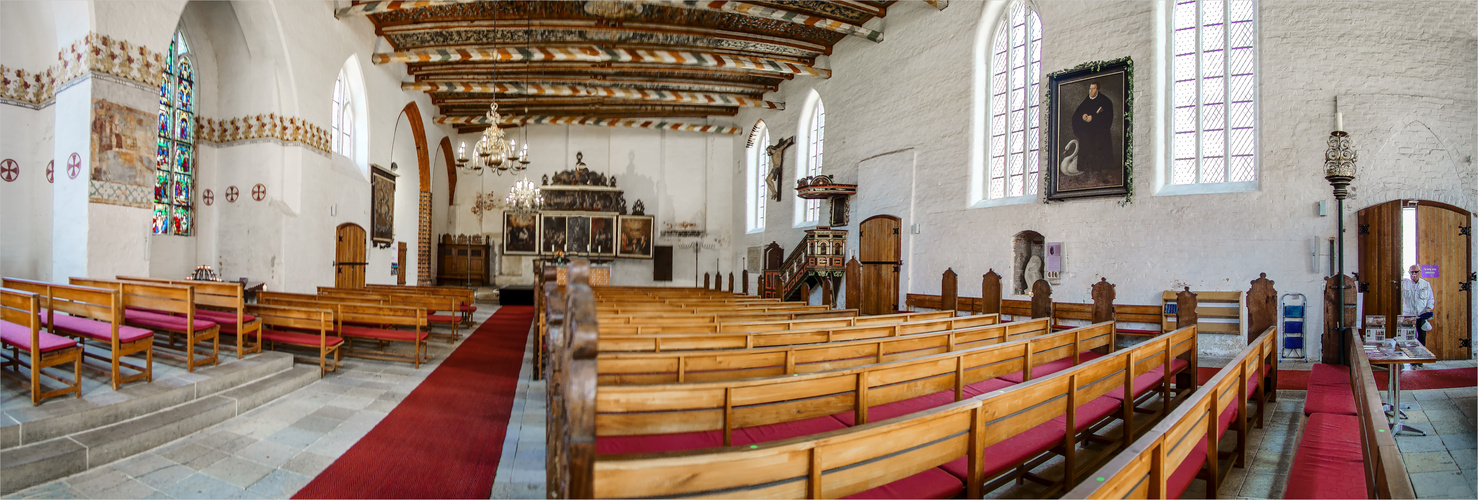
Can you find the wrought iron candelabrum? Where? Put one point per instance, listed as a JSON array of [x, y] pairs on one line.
[[1339, 170]]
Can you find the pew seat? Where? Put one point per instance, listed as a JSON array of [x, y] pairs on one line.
[[1152, 378], [1329, 391], [1180, 480], [746, 436], [93, 329], [1046, 369], [1329, 462], [19, 337], [899, 408], [164, 321], [381, 333], [299, 338], [932, 483], [678, 441]]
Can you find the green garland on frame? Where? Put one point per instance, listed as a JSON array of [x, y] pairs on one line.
[[1128, 123]]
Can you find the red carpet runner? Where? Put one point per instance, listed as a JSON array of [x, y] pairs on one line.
[[1449, 378], [445, 438]]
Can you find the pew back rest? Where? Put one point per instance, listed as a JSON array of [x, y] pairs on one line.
[[319, 319], [1217, 312], [383, 314], [216, 294], [100, 304], [1016, 308], [22, 308], [173, 299], [265, 297]]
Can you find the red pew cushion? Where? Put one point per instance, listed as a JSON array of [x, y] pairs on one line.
[[1224, 421], [467, 308], [1329, 462], [986, 386], [20, 336], [1180, 480], [1049, 368], [442, 318], [1088, 413], [654, 443], [785, 430], [381, 333], [299, 338], [932, 483], [1324, 375], [889, 410], [94, 329], [1330, 400], [164, 321], [1142, 383], [1004, 455]]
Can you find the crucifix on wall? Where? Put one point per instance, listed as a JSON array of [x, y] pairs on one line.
[[777, 161]]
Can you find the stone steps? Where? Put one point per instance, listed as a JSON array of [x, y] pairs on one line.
[[83, 448]]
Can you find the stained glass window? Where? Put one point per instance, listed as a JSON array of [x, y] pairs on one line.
[[1015, 110], [174, 157], [1213, 91]]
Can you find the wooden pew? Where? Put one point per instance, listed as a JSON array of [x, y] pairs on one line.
[[95, 314], [431, 303], [706, 366], [21, 333], [297, 326], [668, 342], [467, 296], [1227, 310], [746, 324], [169, 308], [224, 303], [358, 321], [969, 442], [1187, 444]]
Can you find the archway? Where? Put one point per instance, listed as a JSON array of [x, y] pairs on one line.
[[412, 114]]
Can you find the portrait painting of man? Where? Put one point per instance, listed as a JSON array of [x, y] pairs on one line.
[[1089, 136]]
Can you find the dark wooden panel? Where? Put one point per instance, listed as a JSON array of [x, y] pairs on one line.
[[1103, 301], [1441, 243], [990, 293], [1378, 238], [662, 263], [1262, 306], [949, 290], [1041, 299]]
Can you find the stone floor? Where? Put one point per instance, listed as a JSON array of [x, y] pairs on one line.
[[268, 452]]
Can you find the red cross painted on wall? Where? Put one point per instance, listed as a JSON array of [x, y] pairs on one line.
[[258, 192], [50, 167], [210, 197], [74, 166], [232, 193], [9, 170]]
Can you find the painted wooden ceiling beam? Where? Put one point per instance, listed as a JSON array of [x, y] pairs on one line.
[[706, 98], [591, 121], [599, 54], [763, 12], [860, 6], [551, 31], [371, 7], [606, 68], [673, 85]]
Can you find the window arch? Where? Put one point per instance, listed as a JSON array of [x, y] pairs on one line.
[[341, 133], [174, 157], [1213, 91], [812, 158], [1015, 110], [758, 161]]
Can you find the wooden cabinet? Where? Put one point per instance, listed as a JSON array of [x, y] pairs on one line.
[[463, 260]]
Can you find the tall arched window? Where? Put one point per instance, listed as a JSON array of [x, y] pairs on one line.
[[174, 158], [1214, 91], [810, 211], [758, 161], [1015, 108], [341, 135]]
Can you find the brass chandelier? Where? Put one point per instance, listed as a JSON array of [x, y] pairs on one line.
[[494, 151]]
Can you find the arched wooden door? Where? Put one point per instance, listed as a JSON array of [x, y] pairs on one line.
[[1443, 239], [349, 256], [881, 255]]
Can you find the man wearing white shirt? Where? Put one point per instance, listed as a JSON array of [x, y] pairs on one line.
[[1417, 300]]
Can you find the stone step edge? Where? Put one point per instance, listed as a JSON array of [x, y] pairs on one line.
[[268, 364], [83, 451]]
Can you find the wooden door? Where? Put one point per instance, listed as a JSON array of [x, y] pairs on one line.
[[882, 256], [349, 256], [1378, 237], [1441, 240], [400, 264]]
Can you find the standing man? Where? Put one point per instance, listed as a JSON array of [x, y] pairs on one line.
[[1092, 122], [1417, 300]]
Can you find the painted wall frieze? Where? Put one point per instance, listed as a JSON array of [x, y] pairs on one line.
[[224, 132]]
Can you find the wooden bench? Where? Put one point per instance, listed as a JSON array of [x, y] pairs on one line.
[[365, 322], [670, 342], [304, 327], [95, 314], [224, 303], [943, 448], [432, 304], [1227, 311], [21, 334], [1346, 449], [466, 296], [168, 308], [705, 366], [1186, 445], [731, 324]]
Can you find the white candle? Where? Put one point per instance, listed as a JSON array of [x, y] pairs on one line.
[[1339, 122]]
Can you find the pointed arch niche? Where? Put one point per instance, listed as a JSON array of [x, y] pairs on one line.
[[1028, 259]]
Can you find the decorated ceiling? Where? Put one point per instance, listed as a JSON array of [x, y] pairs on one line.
[[610, 61]]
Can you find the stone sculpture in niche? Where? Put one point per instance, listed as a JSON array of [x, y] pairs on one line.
[[777, 162], [1026, 247]]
